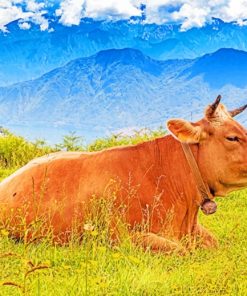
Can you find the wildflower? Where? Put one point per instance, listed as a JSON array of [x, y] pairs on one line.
[[88, 227], [94, 233], [4, 232]]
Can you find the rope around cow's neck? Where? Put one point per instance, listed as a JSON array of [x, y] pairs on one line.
[[207, 205]]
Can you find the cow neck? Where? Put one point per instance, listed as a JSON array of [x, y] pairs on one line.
[[204, 192]]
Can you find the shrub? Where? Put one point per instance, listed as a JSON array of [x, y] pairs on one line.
[[15, 151], [71, 142], [121, 139]]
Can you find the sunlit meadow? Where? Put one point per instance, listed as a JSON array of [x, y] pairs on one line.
[[95, 267]]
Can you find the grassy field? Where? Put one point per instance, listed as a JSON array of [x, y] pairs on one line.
[[94, 268]]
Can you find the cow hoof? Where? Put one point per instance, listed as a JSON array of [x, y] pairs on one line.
[[209, 207]]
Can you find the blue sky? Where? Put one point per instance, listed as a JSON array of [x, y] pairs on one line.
[[189, 14]]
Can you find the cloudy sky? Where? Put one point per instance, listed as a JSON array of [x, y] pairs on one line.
[[189, 14]]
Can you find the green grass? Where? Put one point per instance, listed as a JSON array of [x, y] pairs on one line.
[[15, 151], [95, 268]]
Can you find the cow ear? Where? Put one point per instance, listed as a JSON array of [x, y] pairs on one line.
[[184, 131]]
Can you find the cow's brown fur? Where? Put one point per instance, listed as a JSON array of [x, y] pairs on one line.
[[153, 178]]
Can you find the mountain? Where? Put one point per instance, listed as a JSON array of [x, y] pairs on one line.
[[222, 67], [27, 54], [117, 89]]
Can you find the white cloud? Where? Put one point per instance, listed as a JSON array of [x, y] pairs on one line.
[[195, 13], [242, 23], [40, 20], [157, 11], [234, 10], [70, 12], [32, 5], [188, 13], [25, 26], [10, 13], [25, 10], [112, 9]]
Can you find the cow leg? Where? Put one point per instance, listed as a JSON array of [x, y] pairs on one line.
[[158, 243], [204, 238]]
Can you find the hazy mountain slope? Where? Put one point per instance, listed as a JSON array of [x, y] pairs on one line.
[[221, 68], [117, 89], [27, 54]]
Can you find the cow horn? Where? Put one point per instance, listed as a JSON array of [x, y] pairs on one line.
[[237, 111], [215, 104], [211, 108]]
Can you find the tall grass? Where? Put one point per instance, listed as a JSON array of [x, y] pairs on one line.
[[15, 151], [95, 265]]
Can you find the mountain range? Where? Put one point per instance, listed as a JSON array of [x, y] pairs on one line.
[[120, 89], [28, 54]]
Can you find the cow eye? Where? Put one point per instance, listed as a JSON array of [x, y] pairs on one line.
[[233, 139]]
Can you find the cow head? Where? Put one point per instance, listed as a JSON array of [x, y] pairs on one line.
[[222, 147]]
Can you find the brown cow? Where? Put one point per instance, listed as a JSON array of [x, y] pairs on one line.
[[152, 179]]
